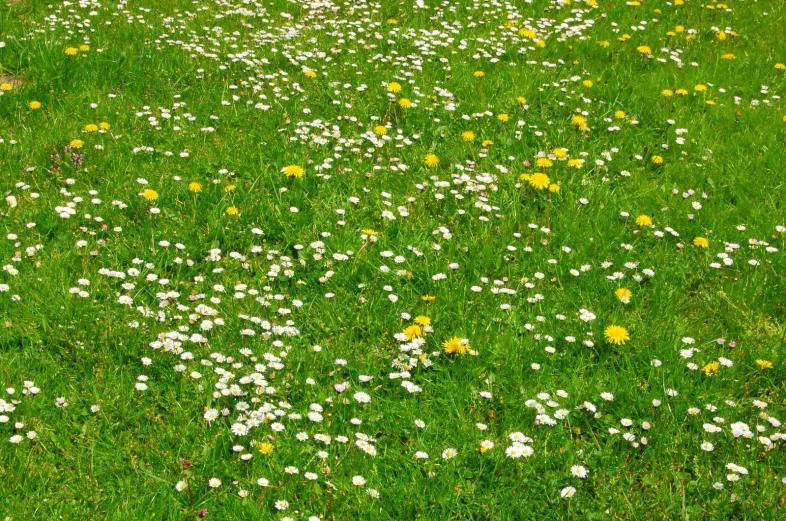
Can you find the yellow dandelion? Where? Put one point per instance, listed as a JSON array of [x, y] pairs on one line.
[[554, 188], [681, 92], [35, 105], [616, 335], [701, 242], [588, 83], [456, 345], [604, 43], [579, 121], [6, 86], [575, 163], [150, 194], [620, 114], [380, 130], [71, 51], [422, 320], [780, 66], [478, 74], [369, 231], [104, 125], [486, 143], [468, 136], [431, 160], [522, 100], [84, 47], [405, 103], [623, 294], [658, 160], [91, 127], [76, 143], [560, 153], [700, 88], [544, 162], [194, 187], [230, 188], [728, 56], [394, 87], [428, 298], [644, 49], [539, 181], [414, 331], [233, 210], [527, 33], [667, 93], [503, 117], [711, 368], [764, 364], [722, 35], [310, 73], [644, 220], [293, 171], [266, 448]]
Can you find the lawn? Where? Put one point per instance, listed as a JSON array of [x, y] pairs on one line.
[[434, 260]]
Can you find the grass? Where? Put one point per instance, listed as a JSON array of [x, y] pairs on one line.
[[205, 103]]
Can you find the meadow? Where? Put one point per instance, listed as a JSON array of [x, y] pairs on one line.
[[307, 260]]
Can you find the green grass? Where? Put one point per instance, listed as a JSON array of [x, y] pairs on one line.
[[227, 84]]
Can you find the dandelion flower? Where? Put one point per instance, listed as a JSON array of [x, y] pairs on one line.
[[700, 88], [554, 188], [503, 117], [764, 364], [780, 66], [431, 160], [71, 51], [394, 87], [428, 298], [644, 49], [76, 143], [522, 100], [644, 220], [667, 93], [468, 136], [657, 160], [620, 114], [616, 335], [544, 162], [405, 103], [711, 368], [233, 210], [310, 73], [104, 125], [478, 74], [91, 127], [539, 181], [380, 130], [587, 83], [150, 194], [6, 86], [701, 242], [623, 294], [580, 122], [456, 345], [35, 105], [194, 187], [293, 171], [422, 320], [413, 331], [84, 47], [266, 448]]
